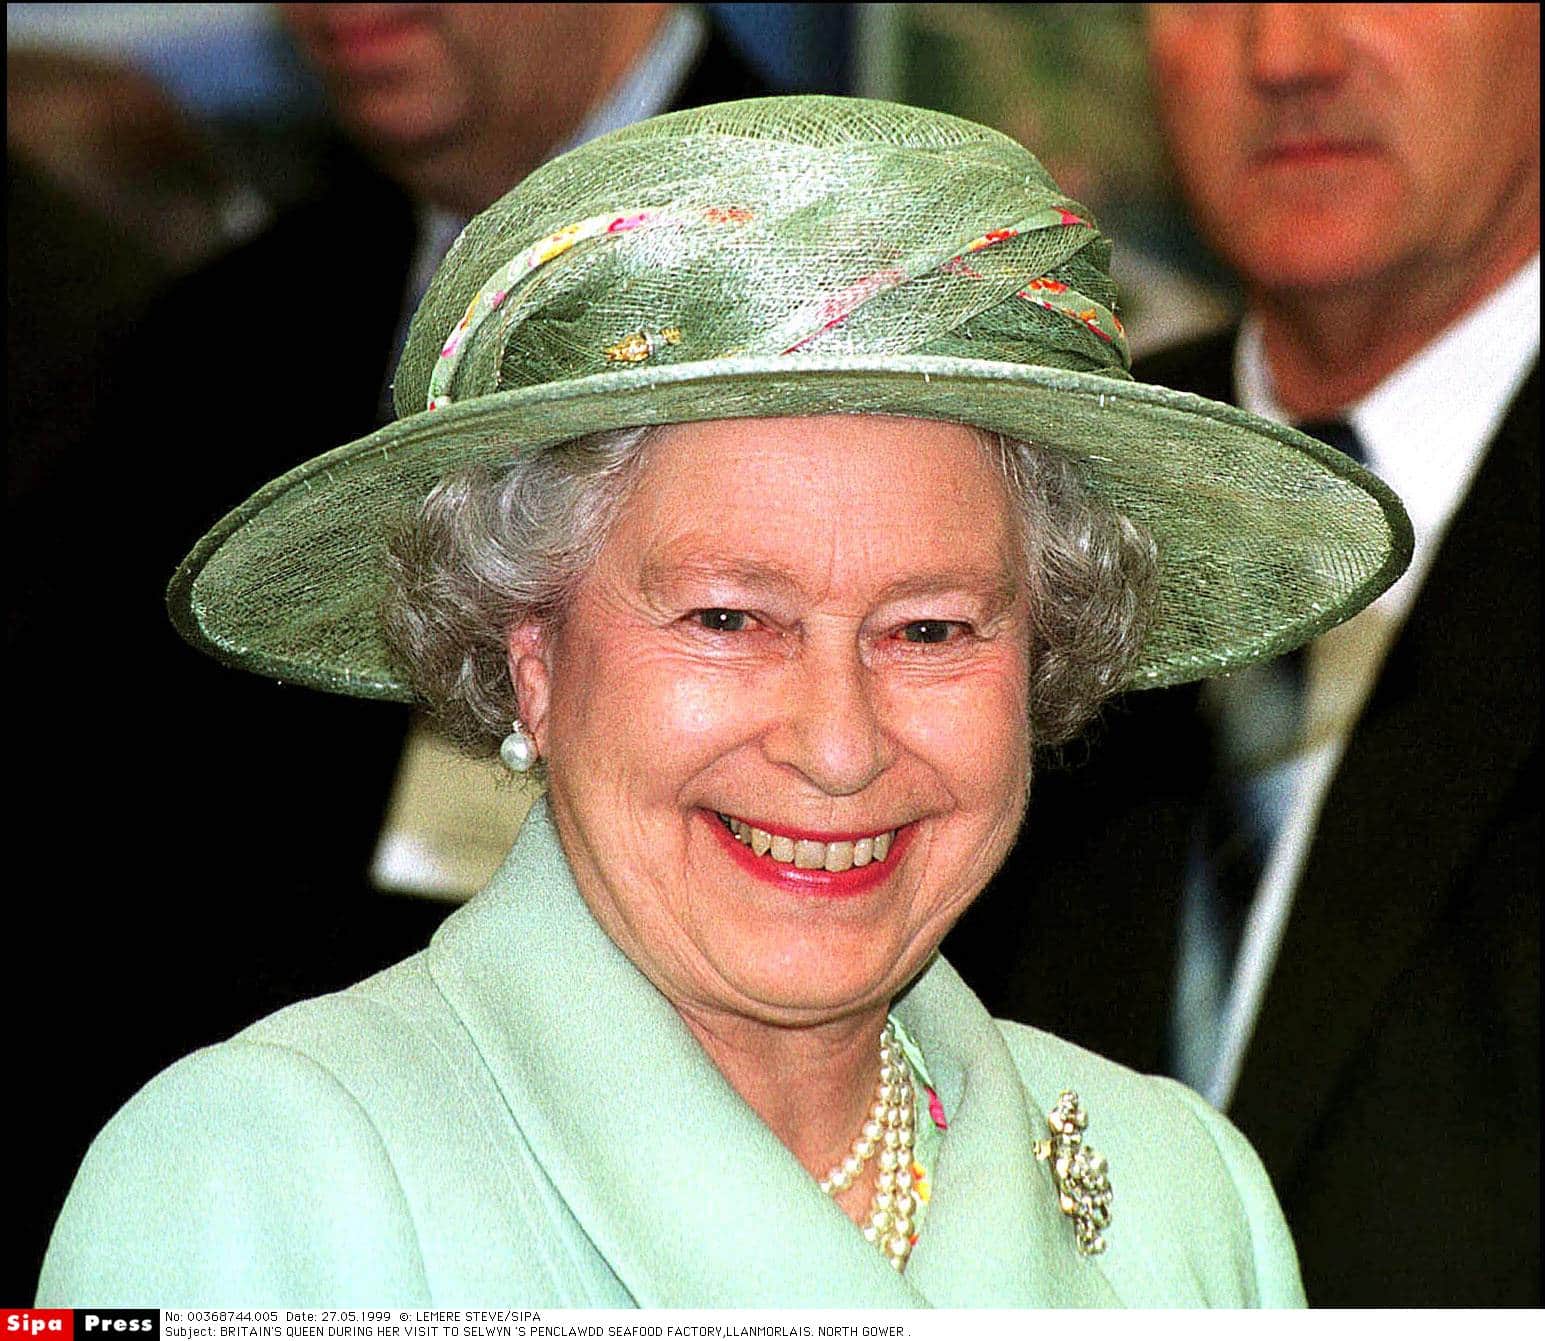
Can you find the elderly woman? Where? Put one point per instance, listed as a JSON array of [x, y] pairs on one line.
[[770, 477]]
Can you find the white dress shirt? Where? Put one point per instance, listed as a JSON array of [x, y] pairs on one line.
[[1425, 430]]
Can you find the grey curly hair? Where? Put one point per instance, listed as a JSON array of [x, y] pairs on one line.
[[491, 548]]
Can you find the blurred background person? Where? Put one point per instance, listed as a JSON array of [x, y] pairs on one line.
[[111, 137], [437, 109], [1326, 918], [112, 189]]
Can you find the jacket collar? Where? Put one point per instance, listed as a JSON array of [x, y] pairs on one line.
[[690, 1199]]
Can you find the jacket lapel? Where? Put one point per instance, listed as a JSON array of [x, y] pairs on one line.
[[688, 1197], [684, 1192], [994, 1236], [1421, 777]]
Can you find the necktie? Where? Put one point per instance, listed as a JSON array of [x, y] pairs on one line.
[[1339, 434]]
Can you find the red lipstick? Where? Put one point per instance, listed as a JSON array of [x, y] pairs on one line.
[[817, 883]]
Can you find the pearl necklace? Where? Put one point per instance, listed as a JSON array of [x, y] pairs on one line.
[[888, 1129]]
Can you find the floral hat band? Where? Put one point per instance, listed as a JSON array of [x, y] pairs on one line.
[[491, 296], [803, 327], [762, 248]]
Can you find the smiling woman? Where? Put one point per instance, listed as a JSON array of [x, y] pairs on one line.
[[824, 689], [781, 608]]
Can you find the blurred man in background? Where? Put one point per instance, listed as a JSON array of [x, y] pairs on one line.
[[1326, 915], [112, 190], [457, 102], [444, 108]]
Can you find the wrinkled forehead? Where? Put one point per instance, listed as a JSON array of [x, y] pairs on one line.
[[869, 504]]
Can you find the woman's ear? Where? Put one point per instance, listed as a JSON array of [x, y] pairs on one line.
[[531, 673]]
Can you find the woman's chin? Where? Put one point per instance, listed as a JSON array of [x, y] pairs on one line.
[[796, 976], [797, 999]]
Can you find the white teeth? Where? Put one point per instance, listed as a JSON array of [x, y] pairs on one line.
[[807, 854]]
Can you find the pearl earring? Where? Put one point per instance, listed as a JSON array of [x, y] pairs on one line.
[[518, 750]]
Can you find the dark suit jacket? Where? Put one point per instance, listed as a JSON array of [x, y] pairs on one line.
[[190, 778], [1392, 1084]]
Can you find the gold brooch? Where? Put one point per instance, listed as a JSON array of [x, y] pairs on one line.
[[641, 345], [1083, 1185]]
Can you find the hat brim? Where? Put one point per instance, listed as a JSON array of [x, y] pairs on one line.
[[1266, 537]]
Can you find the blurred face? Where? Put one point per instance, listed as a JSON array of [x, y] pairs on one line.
[[460, 100], [1331, 144], [406, 75], [785, 715]]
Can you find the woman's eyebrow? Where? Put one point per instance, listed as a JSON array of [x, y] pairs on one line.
[[993, 585], [661, 571]]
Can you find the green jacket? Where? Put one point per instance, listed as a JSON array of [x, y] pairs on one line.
[[515, 1117]]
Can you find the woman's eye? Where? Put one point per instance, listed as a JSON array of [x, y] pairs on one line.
[[723, 621], [930, 631]]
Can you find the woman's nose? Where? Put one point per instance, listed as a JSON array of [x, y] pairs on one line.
[[830, 726]]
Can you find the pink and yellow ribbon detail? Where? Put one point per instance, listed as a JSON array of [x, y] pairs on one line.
[[800, 330], [489, 298], [1047, 293], [1051, 294]]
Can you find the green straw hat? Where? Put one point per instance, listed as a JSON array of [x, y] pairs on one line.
[[788, 256]]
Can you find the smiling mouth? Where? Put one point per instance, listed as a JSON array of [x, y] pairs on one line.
[[807, 854]]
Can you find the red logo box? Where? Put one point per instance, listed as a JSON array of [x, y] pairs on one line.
[[37, 1324]]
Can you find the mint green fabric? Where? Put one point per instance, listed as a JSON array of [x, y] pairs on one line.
[[515, 1117]]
